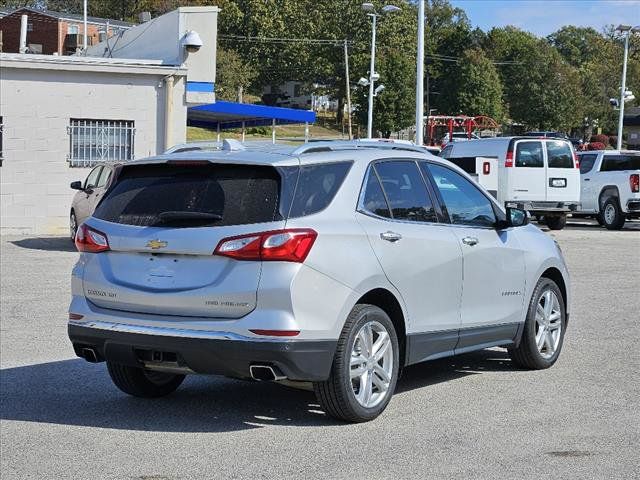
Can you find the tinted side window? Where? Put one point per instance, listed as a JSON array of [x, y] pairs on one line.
[[465, 203], [406, 191], [611, 163], [92, 179], [373, 200], [192, 196], [587, 161], [317, 185], [559, 155], [104, 177], [529, 154], [446, 151]]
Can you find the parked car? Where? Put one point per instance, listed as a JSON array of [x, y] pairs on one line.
[[89, 193], [333, 263], [610, 186], [538, 175]]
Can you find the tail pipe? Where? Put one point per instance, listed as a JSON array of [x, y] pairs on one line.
[[266, 373]]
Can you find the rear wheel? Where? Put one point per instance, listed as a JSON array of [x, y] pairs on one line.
[[544, 328], [140, 382], [555, 222], [612, 214], [365, 367]]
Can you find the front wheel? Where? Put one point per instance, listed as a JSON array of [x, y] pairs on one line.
[[73, 225], [544, 328], [556, 222], [612, 214], [140, 382], [365, 367]]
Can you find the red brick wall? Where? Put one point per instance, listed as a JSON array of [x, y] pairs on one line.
[[44, 31]]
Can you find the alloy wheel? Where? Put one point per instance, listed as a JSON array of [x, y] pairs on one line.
[[548, 324], [609, 214], [371, 364]]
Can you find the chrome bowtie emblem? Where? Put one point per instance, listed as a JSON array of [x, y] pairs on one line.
[[156, 244]]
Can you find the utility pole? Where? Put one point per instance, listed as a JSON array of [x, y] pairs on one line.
[[420, 77], [627, 33], [371, 77], [84, 39], [348, 85]]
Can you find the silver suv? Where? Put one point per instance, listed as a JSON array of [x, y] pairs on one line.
[[333, 263]]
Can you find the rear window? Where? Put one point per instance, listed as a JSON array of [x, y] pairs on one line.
[[612, 163], [529, 154], [192, 196], [559, 155], [316, 187]]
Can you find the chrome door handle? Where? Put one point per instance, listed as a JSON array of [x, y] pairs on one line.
[[471, 241], [587, 179], [390, 236]]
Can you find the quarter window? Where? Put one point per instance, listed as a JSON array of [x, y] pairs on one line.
[[316, 187], [465, 204], [406, 191], [92, 141], [559, 154], [587, 161], [529, 154]]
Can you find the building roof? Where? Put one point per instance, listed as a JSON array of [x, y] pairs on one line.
[[231, 115], [71, 16]]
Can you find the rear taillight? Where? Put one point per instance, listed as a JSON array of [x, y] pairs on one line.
[[291, 245], [91, 240], [576, 160], [634, 182], [486, 168], [508, 161]]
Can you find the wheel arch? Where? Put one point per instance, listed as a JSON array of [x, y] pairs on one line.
[[387, 301], [605, 192]]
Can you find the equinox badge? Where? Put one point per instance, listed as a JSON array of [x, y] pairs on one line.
[[156, 244]]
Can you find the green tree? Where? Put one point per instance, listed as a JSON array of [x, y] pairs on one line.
[[479, 86], [232, 74]]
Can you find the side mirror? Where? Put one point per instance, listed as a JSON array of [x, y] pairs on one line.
[[516, 217], [77, 185]]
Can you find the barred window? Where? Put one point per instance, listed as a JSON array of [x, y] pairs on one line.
[[92, 141]]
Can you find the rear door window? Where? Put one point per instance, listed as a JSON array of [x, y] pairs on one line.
[[559, 154], [529, 154], [587, 161], [316, 187], [104, 177], [406, 191], [193, 196], [373, 200], [612, 163]]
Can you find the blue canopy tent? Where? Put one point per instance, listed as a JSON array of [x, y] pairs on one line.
[[226, 115]]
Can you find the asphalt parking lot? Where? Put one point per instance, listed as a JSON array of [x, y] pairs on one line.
[[473, 416]]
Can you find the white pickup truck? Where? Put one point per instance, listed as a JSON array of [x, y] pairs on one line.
[[610, 186]]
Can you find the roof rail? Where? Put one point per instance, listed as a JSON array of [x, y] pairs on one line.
[[337, 145]]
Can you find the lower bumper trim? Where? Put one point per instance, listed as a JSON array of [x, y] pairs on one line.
[[217, 353]]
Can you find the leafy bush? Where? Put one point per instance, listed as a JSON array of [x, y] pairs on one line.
[[599, 139], [596, 146], [613, 141]]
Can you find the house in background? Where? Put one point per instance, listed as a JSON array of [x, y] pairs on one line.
[[293, 94], [50, 32]]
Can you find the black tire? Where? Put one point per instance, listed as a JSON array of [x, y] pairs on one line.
[[612, 215], [556, 222], [600, 220], [336, 395], [73, 225], [527, 355], [143, 383]]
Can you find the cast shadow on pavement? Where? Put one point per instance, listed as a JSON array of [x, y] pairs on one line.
[[74, 392], [51, 244]]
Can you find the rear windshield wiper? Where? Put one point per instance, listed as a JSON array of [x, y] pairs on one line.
[[186, 216]]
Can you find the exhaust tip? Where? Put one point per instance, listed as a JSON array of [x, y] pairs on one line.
[[265, 373], [90, 355]]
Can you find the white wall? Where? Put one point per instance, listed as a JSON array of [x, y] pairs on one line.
[[36, 106]]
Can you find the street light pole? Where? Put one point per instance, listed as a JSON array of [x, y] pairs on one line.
[[627, 33], [371, 75], [420, 77]]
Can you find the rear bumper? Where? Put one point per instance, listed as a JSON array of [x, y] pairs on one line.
[[633, 206], [218, 353], [545, 207]]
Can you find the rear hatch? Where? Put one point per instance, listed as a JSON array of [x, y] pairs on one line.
[[563, 172], [163, 222]]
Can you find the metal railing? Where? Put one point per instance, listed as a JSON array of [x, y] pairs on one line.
[[93, 141]]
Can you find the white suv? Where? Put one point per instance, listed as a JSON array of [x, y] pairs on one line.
[[332, 263]]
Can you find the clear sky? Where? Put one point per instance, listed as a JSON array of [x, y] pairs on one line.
[[543, 17]]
